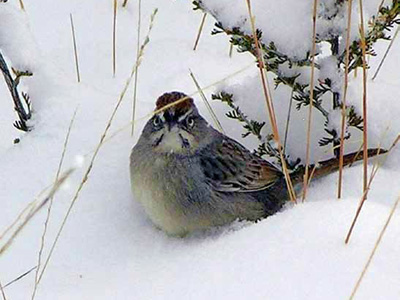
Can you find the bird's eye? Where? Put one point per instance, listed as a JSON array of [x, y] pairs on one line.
[[157, 121], [190, 122]]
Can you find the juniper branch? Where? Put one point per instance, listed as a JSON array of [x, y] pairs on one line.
[[12, 83]]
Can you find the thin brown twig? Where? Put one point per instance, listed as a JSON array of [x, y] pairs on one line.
[[114, 38], [271, 111], [46, 223], [377, 243], [125, 3], [135, 84], [19, 277], [34, 211], [380, 5], [346, 83], [21, 4], [386, 53], [212, 113], [78, 76], [364, 101], [203, 19], [360, 206], [98, 147], [375, 169], [30, 207], [145, 117], [3, 294], [288, 119], [19, 217], [310, 108], [326, 151]]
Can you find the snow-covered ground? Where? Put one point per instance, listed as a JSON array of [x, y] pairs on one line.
[[109, 249]]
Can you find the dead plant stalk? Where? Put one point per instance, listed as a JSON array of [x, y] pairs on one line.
[[3, 294], [98, 147], [271, 112], [377, 243], [346, 83], [386, 53], [46, 223], [123, 128], [206, 102], [21, 214], [21, 4], [288, 118], [35, 210], [78, 76], [310, 108], [364, 100], [135, 84], [364, 195], [114, 42], [203, 19], [19, 277]]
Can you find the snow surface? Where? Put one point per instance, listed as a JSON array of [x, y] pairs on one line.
[[109, 249]]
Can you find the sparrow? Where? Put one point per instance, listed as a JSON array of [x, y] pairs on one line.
[[189, 176]]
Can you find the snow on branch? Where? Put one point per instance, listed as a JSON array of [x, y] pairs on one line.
[[17, 59], [284, 31], [22, 108]]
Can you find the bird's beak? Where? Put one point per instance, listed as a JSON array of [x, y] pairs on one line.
[[170, 125]]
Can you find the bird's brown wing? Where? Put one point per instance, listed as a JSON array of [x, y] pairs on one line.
[[230, 167]]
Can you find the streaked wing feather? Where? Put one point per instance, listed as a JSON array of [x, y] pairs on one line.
[[230, 167]]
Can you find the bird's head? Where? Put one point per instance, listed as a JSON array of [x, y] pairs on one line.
[[176, 127]]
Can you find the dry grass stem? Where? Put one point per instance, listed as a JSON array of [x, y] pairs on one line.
[[211, 111], [78, 76], [288, 118], [135, 84], [114, 38], [21, 4], [268, 99], [203, 19], [375, 169], [99, 145], [195, 93], [46, 223], [149, 115], [378, 241], [364, 100], [22, 213], [380, 5], [19, 277], [27, 210], [3, 294], [326, 151], [386, 53], [346, 83], [230, 50], [310, 108], [35, 210]]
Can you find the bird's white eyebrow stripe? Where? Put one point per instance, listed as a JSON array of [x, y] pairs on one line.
[[161, 116], [185, 115]]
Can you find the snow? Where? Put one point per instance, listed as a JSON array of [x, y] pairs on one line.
[[109, 248], [329, 70], [289, 24], [17, 42]]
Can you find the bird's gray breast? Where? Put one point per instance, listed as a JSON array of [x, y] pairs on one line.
[[172, 191]]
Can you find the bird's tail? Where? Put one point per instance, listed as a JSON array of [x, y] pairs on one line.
[[332, 165]]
